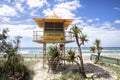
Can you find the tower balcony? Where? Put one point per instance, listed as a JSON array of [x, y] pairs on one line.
[[39, 37]]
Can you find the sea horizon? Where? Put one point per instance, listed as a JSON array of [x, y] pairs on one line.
[[37, 50]]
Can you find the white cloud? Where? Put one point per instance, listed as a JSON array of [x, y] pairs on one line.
[[33, 13], [109, 38], [6, 10], [117, 21], [73, 5], [37, 3], [59, 0], [4, 19], [19, 7], [97, 19], [107, 35], [106, 32], [116, 8], [12, 1], [106, 25], [22, 30], [79, 22], [64, 10], [89, 20], [47, 12]]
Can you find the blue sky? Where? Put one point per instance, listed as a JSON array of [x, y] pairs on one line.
[[99, 18]]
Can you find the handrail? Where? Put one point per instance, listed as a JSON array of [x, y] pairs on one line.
[[39, 35]]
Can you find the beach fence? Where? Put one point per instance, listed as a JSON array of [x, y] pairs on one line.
[[106, 59]]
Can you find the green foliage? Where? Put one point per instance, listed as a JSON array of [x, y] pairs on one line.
[[53, 57], [31, 62], [71, 55], [97, 46], [97, 43], [53, 52], [114, 68], [80, 39], [75, 30], [117, 71], [4, 35], [92, 49], [12, 68], [70, 76], [16, 72], [83, 39]]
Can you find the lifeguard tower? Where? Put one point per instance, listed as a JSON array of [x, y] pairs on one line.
[[53, 32]]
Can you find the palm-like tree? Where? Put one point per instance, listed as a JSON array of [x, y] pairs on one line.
[[83, 39], [72, 58], [53, 57], [92, 49], [71, 55], [78, 32], [97, 48]]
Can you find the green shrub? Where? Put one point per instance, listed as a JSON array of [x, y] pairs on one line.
[[70, 76], [53, 52], [53, 57], [12, 67], [71, 55]]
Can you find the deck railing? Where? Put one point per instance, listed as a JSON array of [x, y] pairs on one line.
[[39, 35]]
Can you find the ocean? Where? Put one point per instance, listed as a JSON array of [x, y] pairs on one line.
[[37, 52], [85, 50]]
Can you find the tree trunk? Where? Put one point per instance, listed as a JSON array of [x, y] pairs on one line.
[[81, 59], [97, 58], [78, 65]]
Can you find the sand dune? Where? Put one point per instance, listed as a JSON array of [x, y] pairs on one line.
[[92, 70]]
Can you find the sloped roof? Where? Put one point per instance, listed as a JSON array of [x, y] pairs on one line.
[[53, 18]]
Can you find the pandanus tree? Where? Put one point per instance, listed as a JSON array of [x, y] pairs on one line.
[[53, 57], [80, 40], [72, 58], [97, 47]]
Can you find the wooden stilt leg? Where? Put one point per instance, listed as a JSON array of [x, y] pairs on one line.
[[64, 54], [44, 54]]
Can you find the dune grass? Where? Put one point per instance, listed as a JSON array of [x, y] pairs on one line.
[[31, 62], [114, 68]]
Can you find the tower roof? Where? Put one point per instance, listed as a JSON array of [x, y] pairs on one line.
[[53, 18]]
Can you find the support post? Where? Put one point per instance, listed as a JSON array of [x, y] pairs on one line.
[[44, 54], [64, 55]]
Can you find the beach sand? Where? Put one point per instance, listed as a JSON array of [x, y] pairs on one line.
[[94, 71]]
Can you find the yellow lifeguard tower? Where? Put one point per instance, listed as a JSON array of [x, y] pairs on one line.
[[53, 31]]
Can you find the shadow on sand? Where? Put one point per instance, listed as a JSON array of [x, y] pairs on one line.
[[96, 71], [93, 70]]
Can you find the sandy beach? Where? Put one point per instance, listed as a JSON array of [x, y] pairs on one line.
[[92, 70]]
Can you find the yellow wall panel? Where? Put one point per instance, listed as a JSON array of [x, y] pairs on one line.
[[53, 36]]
